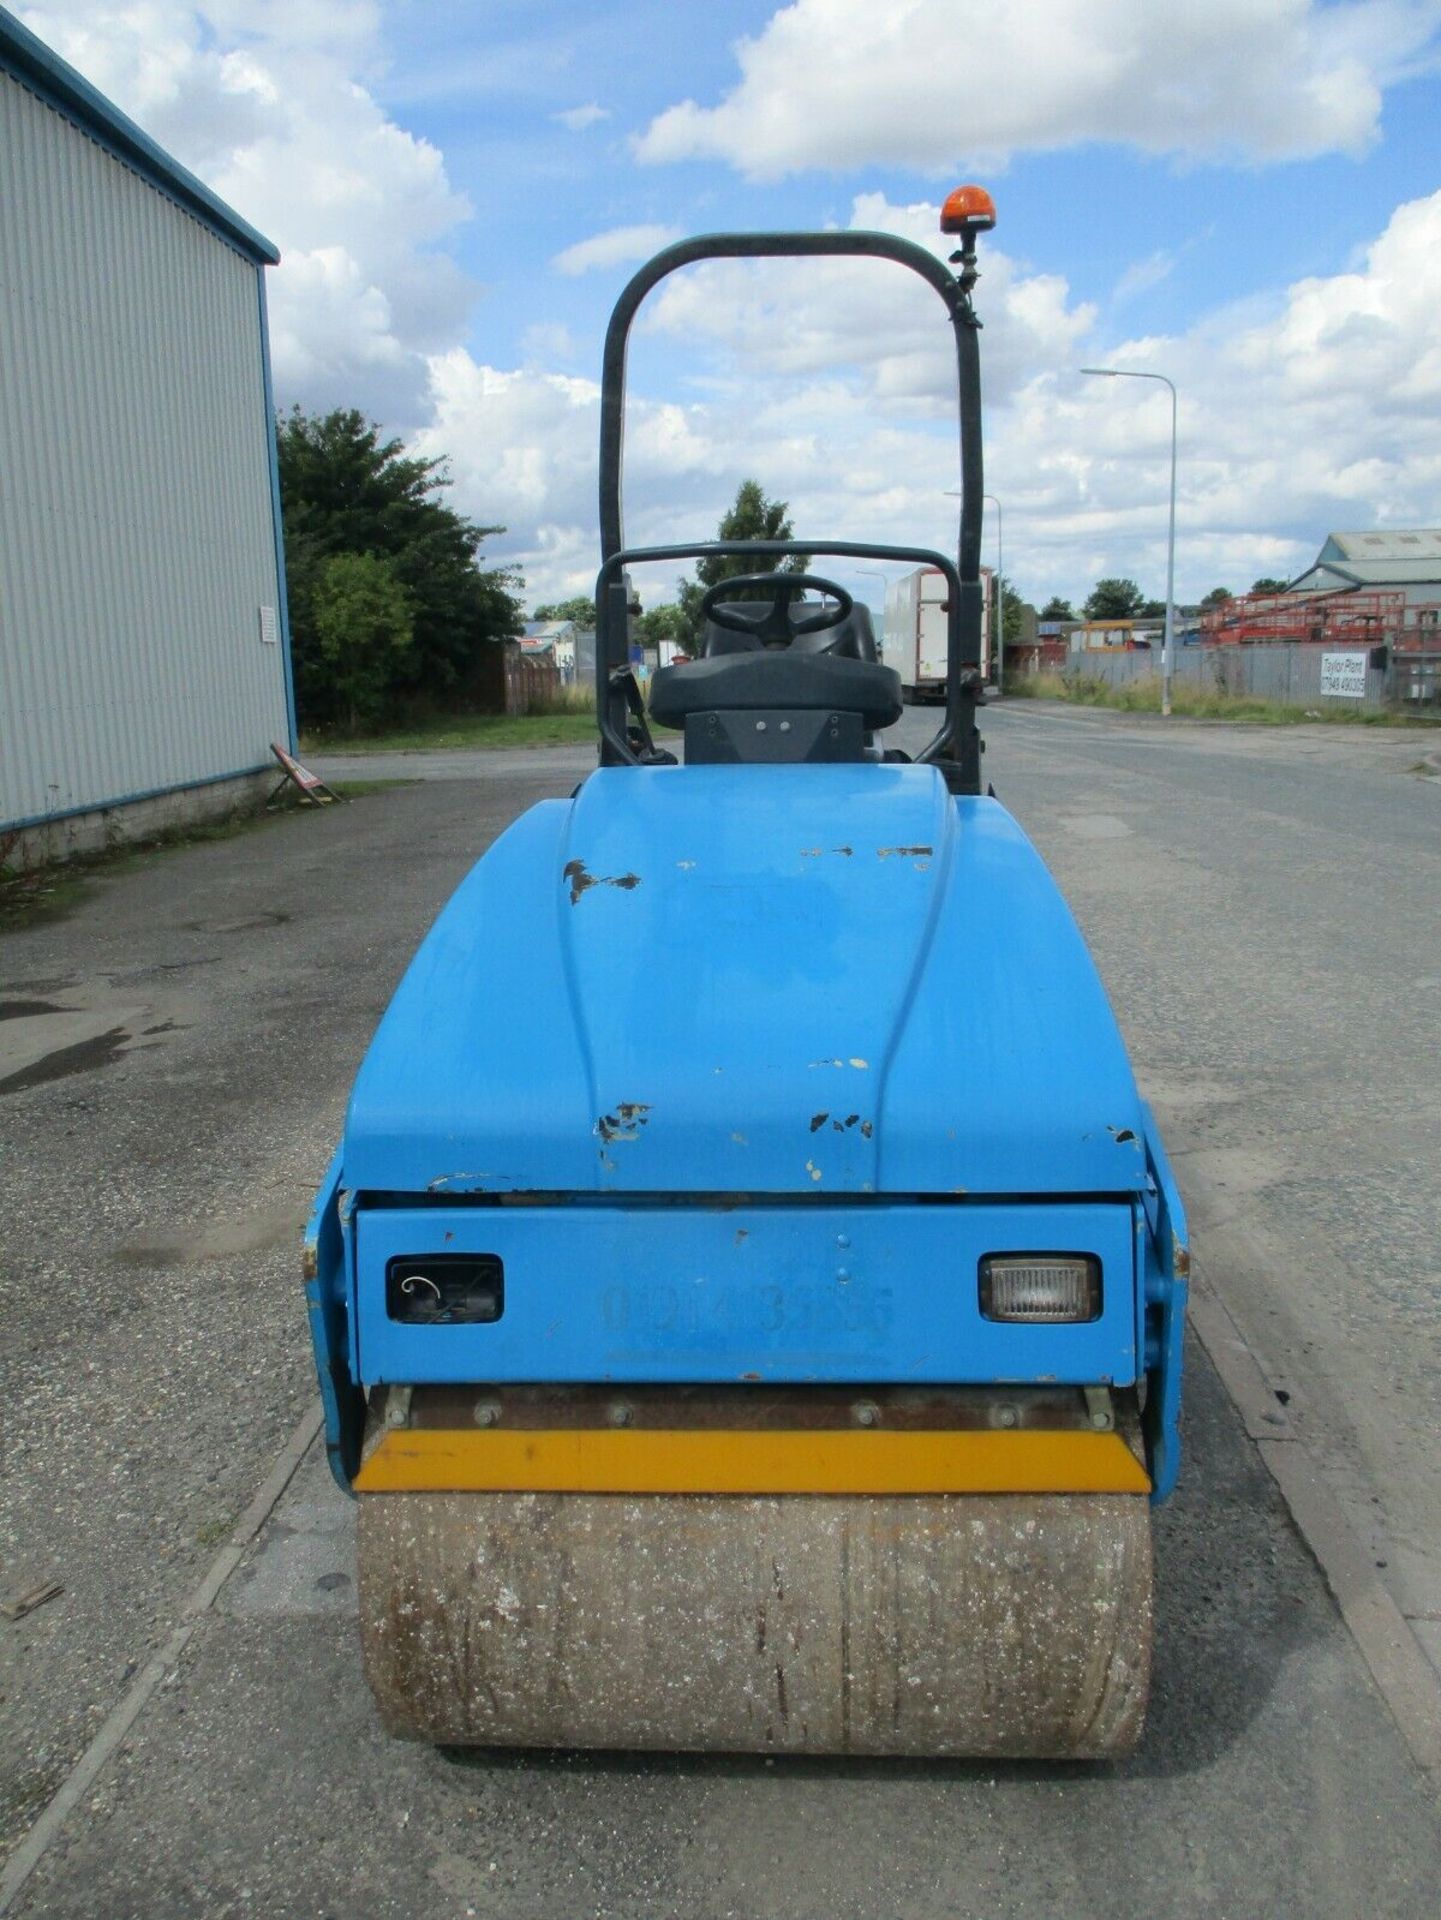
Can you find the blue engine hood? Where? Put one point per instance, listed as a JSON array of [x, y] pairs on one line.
[[809, 980]]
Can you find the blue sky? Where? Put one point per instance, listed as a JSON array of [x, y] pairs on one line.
[[1245, 195], [483, 84]]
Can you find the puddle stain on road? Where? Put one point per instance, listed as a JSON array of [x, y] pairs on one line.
[[80, 1057], [184, 1246], [42, 1041]]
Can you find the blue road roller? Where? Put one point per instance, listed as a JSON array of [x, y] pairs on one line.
[[748, 1294]]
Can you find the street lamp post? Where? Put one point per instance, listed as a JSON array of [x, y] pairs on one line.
[[1000, 596], [1168, 642]]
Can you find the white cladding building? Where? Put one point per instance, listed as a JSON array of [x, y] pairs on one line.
[[144, 647]]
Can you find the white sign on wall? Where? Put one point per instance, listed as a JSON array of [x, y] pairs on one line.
[[270, 632], [1344, 674]]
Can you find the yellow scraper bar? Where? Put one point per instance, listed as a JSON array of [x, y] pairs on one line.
[[727, 1460]]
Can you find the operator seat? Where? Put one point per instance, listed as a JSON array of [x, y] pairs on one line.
[[835, 670]]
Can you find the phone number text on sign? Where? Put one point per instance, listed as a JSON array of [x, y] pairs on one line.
[[662, 1308], [1344, 675]]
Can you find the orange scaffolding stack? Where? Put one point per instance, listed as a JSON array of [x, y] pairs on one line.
[[1349, 619]]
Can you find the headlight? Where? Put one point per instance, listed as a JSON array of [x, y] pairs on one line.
[[444, 1289], [1041, 1289]]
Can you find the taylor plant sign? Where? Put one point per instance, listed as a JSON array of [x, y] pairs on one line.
[[1344, 675]]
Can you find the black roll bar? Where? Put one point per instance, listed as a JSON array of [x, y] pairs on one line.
[[956, 749]]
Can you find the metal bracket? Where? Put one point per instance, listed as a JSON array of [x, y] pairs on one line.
[[1099, 1412]]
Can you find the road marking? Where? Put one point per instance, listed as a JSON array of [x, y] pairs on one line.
[[1398, 1663], [81, 1777]]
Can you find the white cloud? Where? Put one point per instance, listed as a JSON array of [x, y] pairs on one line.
[[345, 324], [825, 381], [617, 247], [261, 100], [832, 381], [800, 317], [938, 85], [1142, 275], [521, 445], [549, 341], [1323, 412], [1320, 408], [580, 119]]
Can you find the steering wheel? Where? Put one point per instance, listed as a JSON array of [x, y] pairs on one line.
[[770, 621]]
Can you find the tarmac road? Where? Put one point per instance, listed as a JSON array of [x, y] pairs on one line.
[[173, 1067], [1264, 905]]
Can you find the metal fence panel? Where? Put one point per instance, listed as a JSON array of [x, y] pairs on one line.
[[1289, 674]]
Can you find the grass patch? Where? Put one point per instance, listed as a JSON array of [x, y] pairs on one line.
[[53, 888], [358, 789], [1081, 689], [210, 1533], [561, 728], [41, 893]]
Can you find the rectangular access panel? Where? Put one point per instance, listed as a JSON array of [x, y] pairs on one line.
[[734, 1293]]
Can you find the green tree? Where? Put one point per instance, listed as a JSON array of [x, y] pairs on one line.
[[1113, 599], [344, 490], [751, 517], [1057, 609], [1011, 605], [1266, 584], [580, 610], [1216, 596], [364, 632], [662, 623]]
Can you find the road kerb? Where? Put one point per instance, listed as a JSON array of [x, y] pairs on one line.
[[1398, 1662], [81, 1777]]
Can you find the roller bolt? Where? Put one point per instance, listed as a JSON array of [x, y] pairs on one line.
[[618, 1414], [1099, 1412], [487, 1413], [867, 1413]]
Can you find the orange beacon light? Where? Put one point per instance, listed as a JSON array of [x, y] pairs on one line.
[[968, 207]]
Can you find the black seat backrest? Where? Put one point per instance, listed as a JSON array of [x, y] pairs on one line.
[[777, 680], [853, 639]]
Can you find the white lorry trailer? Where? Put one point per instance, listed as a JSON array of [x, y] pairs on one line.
[[915, 637]]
